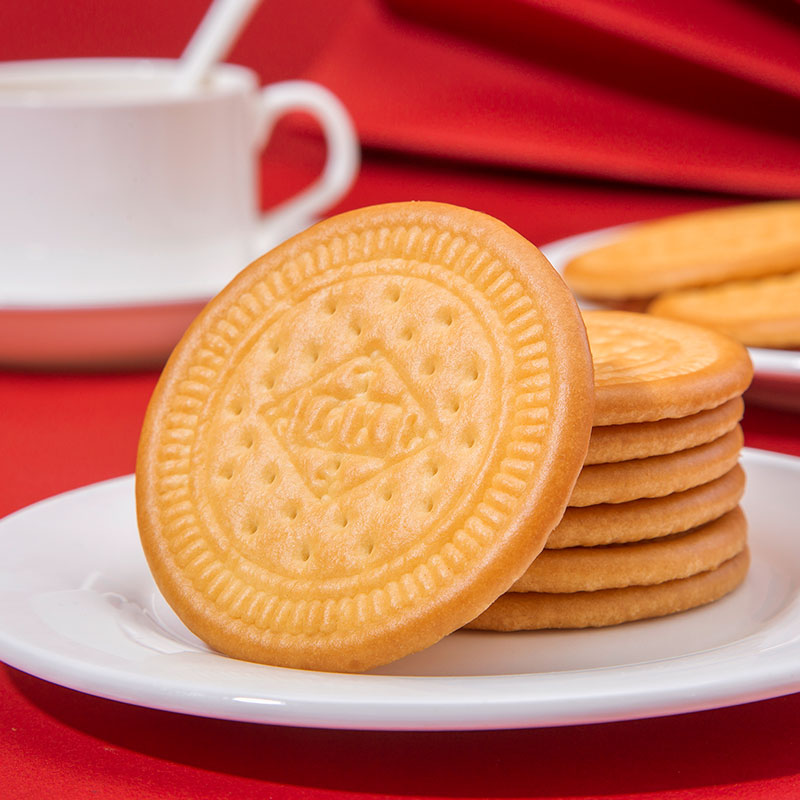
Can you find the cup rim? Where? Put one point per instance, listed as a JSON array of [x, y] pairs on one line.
[[226, 80]]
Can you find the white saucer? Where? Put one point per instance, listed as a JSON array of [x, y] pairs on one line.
[[133, 323], [777, 372], [78, 607]]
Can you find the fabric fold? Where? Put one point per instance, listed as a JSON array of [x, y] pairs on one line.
[[413, 87]]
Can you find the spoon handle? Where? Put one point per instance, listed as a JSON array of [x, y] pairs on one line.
[[212, 40]]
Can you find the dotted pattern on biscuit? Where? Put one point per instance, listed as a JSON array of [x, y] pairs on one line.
[[351, 416]]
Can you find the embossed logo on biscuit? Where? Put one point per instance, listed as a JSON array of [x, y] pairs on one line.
[[349, 424]]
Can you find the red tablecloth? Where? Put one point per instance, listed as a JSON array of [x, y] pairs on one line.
[[428, 139], [61, 431]]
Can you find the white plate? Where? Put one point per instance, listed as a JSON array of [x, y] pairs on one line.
[[78, 607], [777, 372]]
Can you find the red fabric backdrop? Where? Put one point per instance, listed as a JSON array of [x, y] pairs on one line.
[[557, 117]]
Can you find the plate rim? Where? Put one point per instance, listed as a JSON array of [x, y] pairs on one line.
[[523, 700], [766, 360], [193, 290]]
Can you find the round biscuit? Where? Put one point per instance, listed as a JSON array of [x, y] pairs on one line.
[[658, 475], [648, 368], [610, 443], [650, 517], [364, 438], [701, 248], [539, 610], [759, 313], [586, 569]]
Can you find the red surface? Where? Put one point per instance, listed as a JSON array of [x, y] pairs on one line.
[[557, 118], [62, 744], [133, 336]]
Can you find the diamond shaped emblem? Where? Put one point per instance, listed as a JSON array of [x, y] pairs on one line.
[[349, 424]]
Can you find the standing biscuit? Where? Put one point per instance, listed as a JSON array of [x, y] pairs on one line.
[[365, 438]]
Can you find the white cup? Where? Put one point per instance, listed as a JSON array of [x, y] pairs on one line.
[[115, 188]]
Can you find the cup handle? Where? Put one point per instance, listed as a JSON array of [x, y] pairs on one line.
[[341, 165]]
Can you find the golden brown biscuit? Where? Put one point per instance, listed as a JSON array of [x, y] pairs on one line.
[[579, 569], [539, 610], [610, 443], [648, 368], [364, 438], [648, 518], [759, 313], [698, 249], [658, 475]]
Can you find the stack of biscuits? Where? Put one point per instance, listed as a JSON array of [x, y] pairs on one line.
[[653, 524], [736, 270]]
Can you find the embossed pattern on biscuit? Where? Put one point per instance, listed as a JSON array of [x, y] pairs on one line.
[[622, 351], [349, 442], [649, 368], [341, 404]]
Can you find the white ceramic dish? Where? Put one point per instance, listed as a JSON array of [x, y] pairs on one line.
[[120, 326], [777, 372], [78, 607]]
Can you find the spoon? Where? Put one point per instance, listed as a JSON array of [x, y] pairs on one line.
[[212, 41]]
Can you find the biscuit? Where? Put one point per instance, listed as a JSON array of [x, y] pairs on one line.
[[365, 438], [697, 249], [539, 610], [759, 313], [609, 443], [579, 569], [648, 368], [658, 475], [649, 518]]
